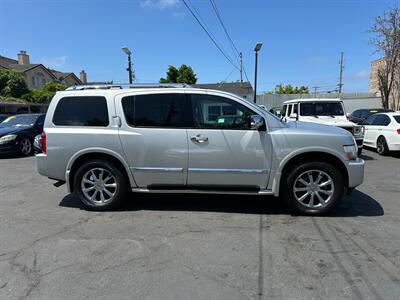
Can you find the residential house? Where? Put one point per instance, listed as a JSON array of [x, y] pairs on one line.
[[37, 75], [242, 89]]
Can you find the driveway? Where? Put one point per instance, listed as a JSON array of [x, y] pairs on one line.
[[197, 247]]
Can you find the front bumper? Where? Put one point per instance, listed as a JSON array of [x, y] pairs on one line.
[[8, 148], [356, 172]]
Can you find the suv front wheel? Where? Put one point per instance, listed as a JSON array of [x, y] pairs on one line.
[[313, 188], [100, 185]]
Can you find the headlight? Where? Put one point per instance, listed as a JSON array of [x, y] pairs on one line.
[[350, 151], [7, 138], [359, 131]]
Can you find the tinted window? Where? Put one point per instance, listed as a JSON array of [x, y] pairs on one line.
[[81, 111], [40, 121], [382, 120], [214, 112], [19, 121], [371, 119], [295, 108], [397, 118], [321, 109], [365, 114], [356, 113], [284, 110], [156, 110]]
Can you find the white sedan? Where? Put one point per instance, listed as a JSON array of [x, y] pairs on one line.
[[382, 131]]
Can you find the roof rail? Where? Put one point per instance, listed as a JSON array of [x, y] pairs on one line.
[[126, 86]]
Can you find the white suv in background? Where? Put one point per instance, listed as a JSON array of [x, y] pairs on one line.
[[323, 111]]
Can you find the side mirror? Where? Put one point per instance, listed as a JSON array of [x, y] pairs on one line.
[[293, 116], [257, 123]]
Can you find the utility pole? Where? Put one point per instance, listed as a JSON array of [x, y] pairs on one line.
[[315, 90], [241, 67], [341, 73]]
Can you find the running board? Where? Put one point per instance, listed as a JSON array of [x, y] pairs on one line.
[[192, 191]]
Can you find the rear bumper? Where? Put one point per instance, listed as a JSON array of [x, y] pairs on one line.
[[41, 164], [356, 172]]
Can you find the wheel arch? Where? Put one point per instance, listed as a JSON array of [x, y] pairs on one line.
[[316, 155], [90, 154]]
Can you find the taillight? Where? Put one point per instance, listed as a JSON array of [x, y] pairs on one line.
[[44, 142], [398, 131]]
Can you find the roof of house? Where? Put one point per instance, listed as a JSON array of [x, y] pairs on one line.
[[5, 62], [231, 87], [62, 75]]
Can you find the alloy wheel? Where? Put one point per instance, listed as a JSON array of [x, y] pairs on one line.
[[380, 147], [26, 146], [99, 186], [314, 189]]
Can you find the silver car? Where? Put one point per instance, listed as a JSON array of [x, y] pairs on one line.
[[106, 141]]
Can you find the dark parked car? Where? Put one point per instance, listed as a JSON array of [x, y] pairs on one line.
[[360, 115], [18, 132], [3, 117]]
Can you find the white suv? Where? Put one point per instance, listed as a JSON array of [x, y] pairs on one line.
[[323, 111]]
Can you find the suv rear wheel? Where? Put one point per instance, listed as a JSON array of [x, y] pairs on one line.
[[313, 188], [100, 185]]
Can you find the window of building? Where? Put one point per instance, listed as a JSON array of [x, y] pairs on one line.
[[81, 111], [33, 81]]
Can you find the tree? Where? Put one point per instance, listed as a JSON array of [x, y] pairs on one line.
[[386, 39], [289, 89], [54, 87], [184, 74], [12, 84], [172, 75]]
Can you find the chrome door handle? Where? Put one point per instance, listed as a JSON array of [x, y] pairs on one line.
[[199, 138]]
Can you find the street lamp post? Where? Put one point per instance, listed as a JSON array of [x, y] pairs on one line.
[[129, 69], [256, 49]]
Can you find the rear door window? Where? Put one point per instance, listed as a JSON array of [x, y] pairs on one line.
[[397, 118], [81, 111], [157, 110]]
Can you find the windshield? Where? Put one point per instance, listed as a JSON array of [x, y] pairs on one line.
[[321, 109], [19, 121], [397, 118]]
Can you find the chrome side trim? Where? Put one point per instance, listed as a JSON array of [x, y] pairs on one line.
[[155, 169], [230, 171], [191, 191]]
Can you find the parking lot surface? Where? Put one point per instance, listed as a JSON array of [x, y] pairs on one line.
[[197, 246]]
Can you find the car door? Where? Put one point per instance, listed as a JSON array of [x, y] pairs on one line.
[[223, 149], [154, 137], [371, 132]]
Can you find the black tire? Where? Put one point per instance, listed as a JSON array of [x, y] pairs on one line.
[[25, 146], [120, 190], [381, 146], [288, 182]]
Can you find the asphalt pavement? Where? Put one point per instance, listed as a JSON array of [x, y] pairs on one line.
[[197, 246]]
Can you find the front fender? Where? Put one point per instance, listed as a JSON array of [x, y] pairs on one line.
[[287, 158]]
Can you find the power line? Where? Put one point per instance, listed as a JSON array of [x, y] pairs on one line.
[[209, 35], [233, 46]]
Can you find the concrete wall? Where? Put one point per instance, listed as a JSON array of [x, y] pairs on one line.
[[352, 101]]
